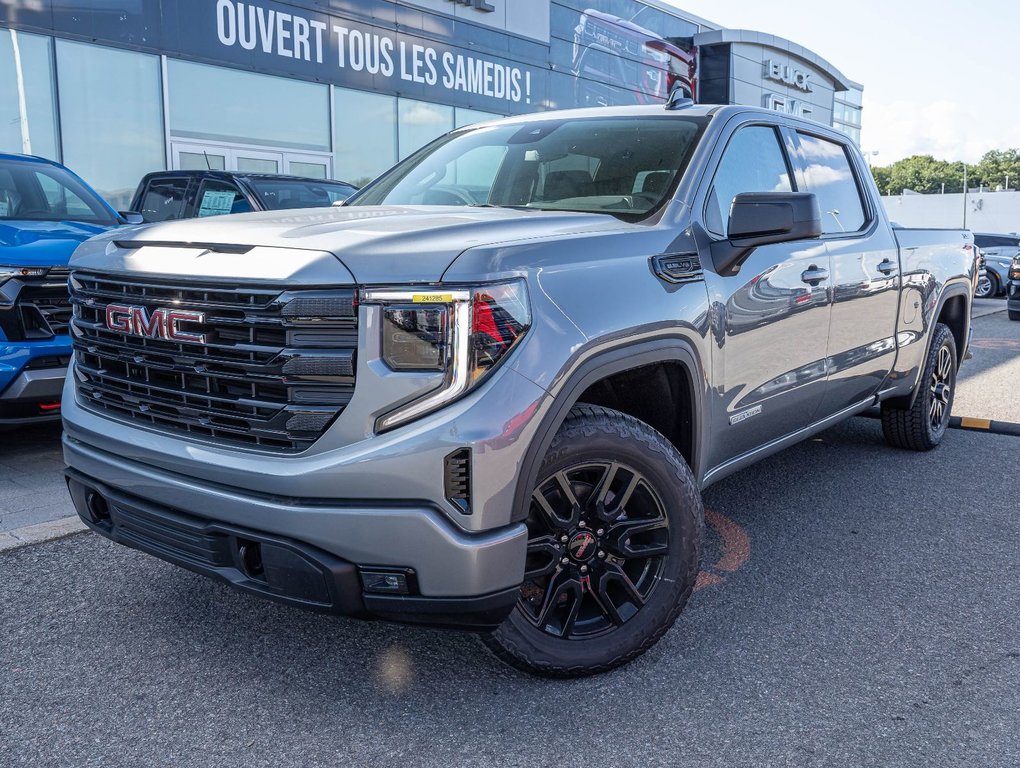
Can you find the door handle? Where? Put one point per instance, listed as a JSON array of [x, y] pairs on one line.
[[887, 267], [813, 275]]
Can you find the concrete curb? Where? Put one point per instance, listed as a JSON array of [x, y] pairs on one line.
[[36, 534]]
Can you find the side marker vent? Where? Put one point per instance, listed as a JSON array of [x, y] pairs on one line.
[[457, 479]]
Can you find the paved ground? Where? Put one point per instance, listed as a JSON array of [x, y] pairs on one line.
[[876, 621]]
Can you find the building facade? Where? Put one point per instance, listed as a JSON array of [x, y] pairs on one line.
[[344, 88]]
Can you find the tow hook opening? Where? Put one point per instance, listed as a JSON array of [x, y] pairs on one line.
[[97, 507], [250, 555]]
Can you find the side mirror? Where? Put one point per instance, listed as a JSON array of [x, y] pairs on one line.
[[131, 217], [760, 218]]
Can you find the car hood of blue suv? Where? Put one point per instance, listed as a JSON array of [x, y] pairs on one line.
[[43, 243]]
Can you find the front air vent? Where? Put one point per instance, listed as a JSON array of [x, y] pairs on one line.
[[457, 479]]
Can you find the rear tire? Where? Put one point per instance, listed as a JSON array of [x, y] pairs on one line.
[[922, 426], [1013, 315], [615, 527]]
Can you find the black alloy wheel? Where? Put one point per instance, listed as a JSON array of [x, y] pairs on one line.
[[922, 425], [598, 537], [615, 524]]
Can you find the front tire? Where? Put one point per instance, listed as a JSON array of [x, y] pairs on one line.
[[1013, 314], [922, 426], [615, 529]]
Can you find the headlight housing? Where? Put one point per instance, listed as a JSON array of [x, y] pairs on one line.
[[462, 332], [6, 273]]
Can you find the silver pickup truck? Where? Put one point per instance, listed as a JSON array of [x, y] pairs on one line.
[[487, 393]]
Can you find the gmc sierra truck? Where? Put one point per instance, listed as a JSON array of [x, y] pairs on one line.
[[498, 416]]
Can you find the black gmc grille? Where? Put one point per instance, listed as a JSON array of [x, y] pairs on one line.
[[270, 374]]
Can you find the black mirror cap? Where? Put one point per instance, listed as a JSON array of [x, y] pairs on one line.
[[760, 218], [130, 217]]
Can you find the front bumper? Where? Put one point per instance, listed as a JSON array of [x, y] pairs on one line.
[[276, 567], [448, 562], [31, 379], [1013, 295]]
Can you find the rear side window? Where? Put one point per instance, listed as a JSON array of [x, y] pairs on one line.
[[827, 173], [163, 199], [216, 198], [752, 162]]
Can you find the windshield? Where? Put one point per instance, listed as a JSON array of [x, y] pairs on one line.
[[38, 192], [623, 166], [279, 194]]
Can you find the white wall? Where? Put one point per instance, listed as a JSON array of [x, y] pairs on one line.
[[986, 211]]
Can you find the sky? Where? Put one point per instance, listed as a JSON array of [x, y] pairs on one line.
[[940, 78]]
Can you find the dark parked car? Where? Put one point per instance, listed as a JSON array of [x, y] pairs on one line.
[[170, 195], [1013, 289], [998, 252]]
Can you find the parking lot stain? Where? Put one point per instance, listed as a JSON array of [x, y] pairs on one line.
[[1006, 344], [734, 550]]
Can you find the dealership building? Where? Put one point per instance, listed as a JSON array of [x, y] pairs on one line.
[[115, 89]]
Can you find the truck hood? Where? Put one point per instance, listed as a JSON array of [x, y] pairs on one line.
[[377, 244], [42, 243]]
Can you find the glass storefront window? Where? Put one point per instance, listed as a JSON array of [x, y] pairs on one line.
[[366, 134], [28, 119], [220, 104], [464, 117], [420, 122], [111, 117]]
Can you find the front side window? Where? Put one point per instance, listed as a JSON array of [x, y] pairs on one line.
[[827, 173], [216, 198], [36, 192], [625, 167], [163, 199], [752, 162]]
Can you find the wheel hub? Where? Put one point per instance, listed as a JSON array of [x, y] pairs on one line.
[[582, 546], [942, 392]]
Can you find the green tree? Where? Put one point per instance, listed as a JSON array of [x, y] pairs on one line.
[[998, 168], [923, 174]]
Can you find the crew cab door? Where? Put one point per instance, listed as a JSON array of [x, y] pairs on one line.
[[771, 317], [864, 268]]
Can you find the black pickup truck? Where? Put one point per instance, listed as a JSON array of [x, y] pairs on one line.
[[171, 195]]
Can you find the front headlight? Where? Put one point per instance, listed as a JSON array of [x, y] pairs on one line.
[[459, 331], [7, 273]]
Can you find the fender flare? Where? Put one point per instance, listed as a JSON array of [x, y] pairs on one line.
[[602, 364], [952, 289]]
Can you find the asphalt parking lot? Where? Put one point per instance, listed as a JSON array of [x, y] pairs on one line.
[[859, 606]]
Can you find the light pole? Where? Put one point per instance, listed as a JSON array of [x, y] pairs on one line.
[[870, 154]]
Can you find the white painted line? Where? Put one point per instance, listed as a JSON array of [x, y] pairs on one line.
[[36, 534]]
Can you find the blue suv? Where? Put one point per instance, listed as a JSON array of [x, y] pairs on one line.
[[45, 213]]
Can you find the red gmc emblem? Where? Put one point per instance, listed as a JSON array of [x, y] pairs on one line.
[[159, 324]]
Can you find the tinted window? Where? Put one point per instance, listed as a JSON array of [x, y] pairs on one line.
[[753, 162], [37, 192], [163, 199], [216, 198], [827, 173], [278, 194], [591, 165], [995, 241]]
